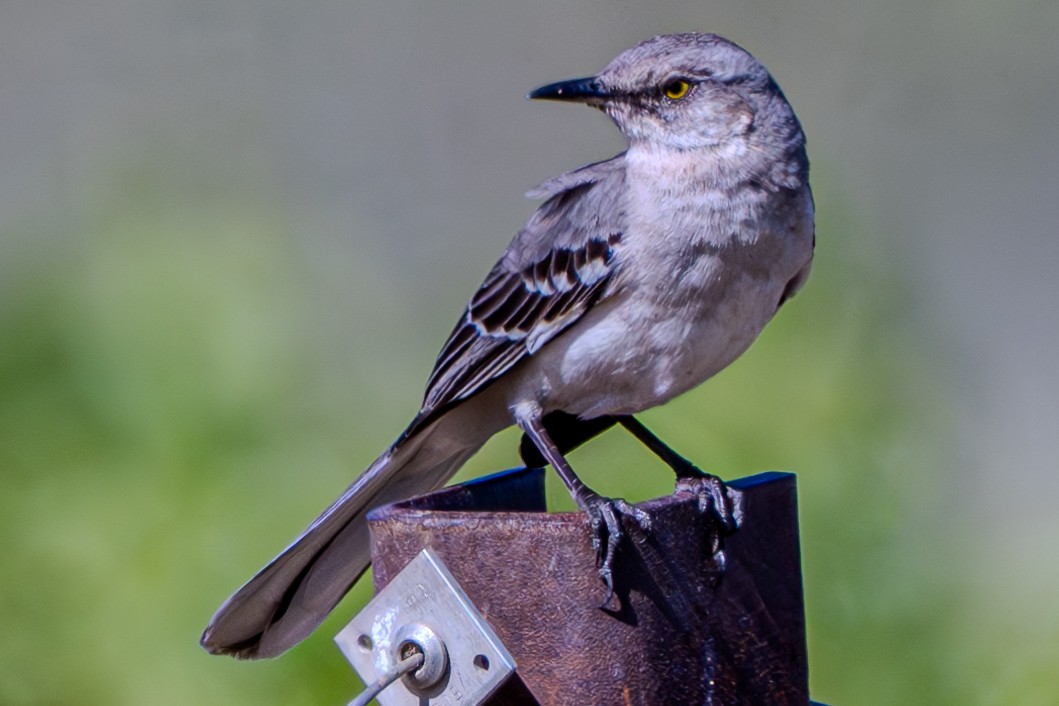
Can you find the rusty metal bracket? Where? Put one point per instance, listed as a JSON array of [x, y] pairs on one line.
[[686, 630]]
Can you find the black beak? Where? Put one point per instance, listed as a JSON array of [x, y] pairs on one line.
[[581, 90]]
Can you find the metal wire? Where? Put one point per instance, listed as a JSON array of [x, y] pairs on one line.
[[405, 666]]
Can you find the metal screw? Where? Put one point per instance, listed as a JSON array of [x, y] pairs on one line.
[[416, 638]]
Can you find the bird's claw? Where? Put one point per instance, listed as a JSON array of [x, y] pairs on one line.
[[607, 533], [720, 502], [714, 497]]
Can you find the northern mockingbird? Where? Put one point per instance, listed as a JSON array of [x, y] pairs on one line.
[[637, 279]]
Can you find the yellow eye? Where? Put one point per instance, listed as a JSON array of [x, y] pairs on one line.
[[675, 89]]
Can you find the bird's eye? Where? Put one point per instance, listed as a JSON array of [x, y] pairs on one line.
[[675, 89]]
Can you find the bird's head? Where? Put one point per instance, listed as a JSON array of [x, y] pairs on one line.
[[681, 91]]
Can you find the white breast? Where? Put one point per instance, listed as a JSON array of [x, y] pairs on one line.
[[702, 270]]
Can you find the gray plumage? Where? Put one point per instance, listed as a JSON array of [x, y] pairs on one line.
[[637, 279]]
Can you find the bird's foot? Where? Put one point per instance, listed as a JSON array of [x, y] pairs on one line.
[[604, 515], [716, 499], [713, 495]]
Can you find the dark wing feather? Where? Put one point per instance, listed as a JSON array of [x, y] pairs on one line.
[[555, 269]]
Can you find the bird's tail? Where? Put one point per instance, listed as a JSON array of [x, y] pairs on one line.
[[290, 597]]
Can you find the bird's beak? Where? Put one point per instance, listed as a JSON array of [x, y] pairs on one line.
[[580, 90]]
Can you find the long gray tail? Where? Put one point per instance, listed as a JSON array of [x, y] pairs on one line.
[[289, 598]]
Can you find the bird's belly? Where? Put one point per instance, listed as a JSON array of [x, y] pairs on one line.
[[629, 356]]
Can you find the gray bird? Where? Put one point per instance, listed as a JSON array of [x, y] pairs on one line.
[[637, 279]]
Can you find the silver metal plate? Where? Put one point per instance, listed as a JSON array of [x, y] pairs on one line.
[[426, 594]]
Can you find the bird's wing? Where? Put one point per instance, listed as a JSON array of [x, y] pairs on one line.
[[554, 270]]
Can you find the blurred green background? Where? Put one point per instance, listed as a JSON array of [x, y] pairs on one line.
[[233, 235]]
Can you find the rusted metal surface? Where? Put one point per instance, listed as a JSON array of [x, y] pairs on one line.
[[681, 632]]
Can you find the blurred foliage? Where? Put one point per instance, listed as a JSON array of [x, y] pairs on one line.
[[198, 353]]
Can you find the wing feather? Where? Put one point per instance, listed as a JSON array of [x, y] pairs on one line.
[[555, 269]]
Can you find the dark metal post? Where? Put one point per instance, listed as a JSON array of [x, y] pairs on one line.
[[681, 631]]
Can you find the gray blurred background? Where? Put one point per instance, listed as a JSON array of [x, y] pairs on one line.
[[234, 234]]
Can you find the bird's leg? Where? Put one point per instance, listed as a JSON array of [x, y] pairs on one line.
[[711, 491], [603, 513]]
